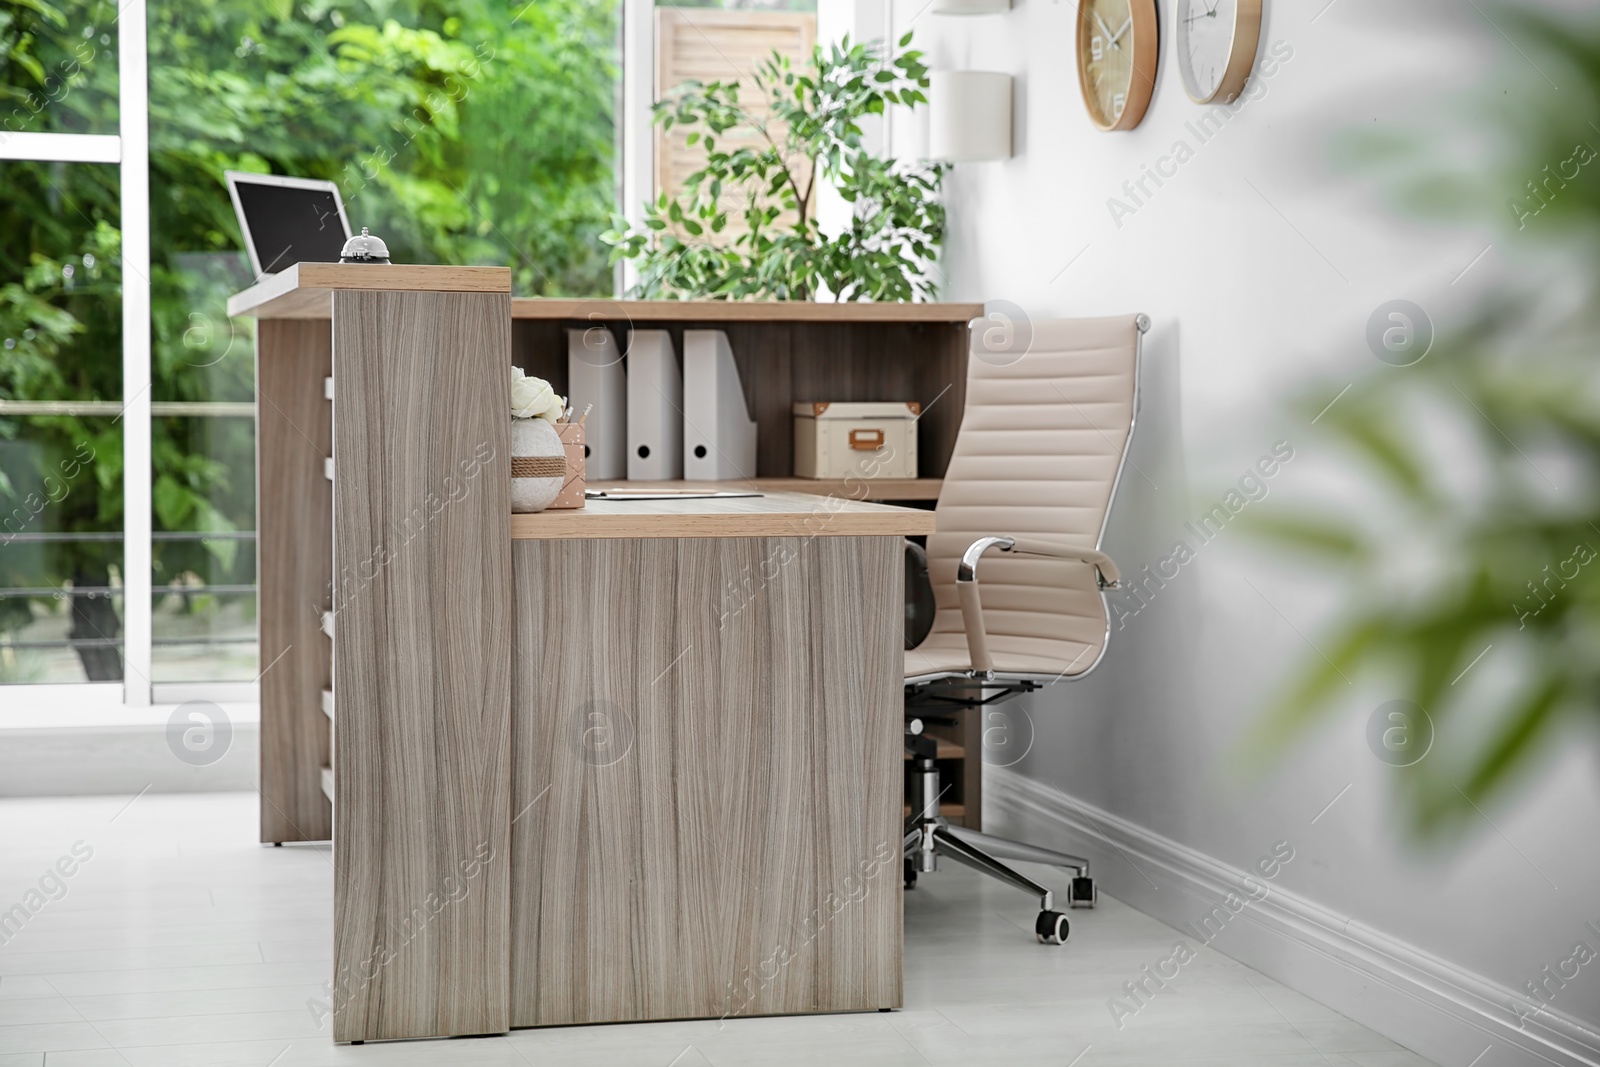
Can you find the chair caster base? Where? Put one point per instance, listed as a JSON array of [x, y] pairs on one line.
[[1051, 927], [1083, 894], [910, 875]]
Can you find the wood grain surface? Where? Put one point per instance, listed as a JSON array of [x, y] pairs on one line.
[[302, 291], [769, 515], [708, 778], [422, 668], [738, 311], [294, 513]]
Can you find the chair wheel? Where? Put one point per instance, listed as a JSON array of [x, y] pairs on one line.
[[911, 875], [1083, 893], [1051, 927]]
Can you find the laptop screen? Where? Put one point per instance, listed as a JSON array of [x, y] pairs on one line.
[[288, 225]]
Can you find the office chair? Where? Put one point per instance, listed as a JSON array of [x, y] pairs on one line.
[[1036, 466]]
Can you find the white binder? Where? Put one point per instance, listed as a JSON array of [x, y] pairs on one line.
[[595, 375], [719, 437], [655, 407]]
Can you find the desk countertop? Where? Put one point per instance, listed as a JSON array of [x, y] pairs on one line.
[[771, 515], [304, 291]]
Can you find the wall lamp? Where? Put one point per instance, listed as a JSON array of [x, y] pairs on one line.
[[969, 116]]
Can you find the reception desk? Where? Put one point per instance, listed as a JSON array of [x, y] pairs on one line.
[[636, 761]]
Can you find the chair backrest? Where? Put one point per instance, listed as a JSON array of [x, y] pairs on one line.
[[1040, 453]]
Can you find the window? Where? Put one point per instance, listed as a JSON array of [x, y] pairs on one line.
[[60, 449], [720, 41], [58, 68], [474, 131], [61, 367]]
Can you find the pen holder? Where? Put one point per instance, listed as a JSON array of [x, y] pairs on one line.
[[572, 490]]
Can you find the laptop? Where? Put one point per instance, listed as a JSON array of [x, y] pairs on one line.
[[288, 220]]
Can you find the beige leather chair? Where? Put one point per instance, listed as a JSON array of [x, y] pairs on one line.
[[1036, 466]]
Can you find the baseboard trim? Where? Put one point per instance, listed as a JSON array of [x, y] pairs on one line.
[[1431, 1006]]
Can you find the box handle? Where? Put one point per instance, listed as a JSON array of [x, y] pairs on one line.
[[866, 440]]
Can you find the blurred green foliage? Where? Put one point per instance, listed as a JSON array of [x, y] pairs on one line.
[[763, 170], [1473, 574], [470, 131]]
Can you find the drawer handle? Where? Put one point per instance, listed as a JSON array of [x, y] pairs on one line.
[[866, 440]]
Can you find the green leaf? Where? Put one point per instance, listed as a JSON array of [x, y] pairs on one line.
[[1325, 535], [1307, 699], [1519, 731]]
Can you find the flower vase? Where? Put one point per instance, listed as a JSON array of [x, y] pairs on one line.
[[538, 464]]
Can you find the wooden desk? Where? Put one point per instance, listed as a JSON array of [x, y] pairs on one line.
[[636, 762], [707, 759]]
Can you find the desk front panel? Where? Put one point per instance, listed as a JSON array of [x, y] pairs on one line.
[[706, 784], [421, 663]]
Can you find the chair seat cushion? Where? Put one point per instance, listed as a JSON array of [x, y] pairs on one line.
[[943, 652]]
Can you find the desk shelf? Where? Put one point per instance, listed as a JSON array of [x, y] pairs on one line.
[[790, 352]]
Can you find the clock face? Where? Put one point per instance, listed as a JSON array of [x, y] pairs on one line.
[[1117, 54], [1217, 42]]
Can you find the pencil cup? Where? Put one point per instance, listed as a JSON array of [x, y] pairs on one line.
[[572, 441]]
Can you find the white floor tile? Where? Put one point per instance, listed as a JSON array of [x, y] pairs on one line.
[[47, 1037], [254, 998], [41, 1010], [184, 943]]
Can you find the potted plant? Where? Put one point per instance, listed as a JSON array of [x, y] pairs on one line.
[[764, 180]]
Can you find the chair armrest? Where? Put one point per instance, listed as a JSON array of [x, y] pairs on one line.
[[1106, 571], [1106, 575]]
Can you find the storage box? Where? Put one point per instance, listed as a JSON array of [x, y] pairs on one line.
[[863, 440]]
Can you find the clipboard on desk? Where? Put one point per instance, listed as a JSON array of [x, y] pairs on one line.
[[668, 494]]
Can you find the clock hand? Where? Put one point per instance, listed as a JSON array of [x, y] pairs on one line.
[[1112, 41], [1122, 31]]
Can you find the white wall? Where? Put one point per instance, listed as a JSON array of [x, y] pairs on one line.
[[1260, 262]]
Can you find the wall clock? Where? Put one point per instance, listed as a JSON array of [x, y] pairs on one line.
[[1217, 42], [1118, 47]]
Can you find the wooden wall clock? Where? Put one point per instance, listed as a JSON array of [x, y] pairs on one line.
[[1118, 48], [1217, 42]]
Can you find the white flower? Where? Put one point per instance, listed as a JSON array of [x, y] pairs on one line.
[[532, 398]]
